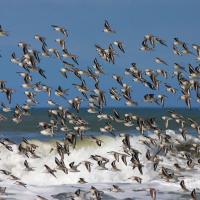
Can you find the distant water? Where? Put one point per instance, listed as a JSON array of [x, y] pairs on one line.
[[28, 128]]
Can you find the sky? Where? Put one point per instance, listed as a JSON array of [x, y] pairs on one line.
[[84, 19]]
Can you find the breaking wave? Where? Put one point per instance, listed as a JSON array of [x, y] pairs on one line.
[[13, 161]]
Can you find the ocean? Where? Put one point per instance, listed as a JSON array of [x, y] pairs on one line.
[[29, 127], [40, 185]]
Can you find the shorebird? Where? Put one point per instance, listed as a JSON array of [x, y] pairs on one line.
[[115, 94], [66, 54], [51, 171], [119, 44], [193, 194], [3, 32], [21, 184], [118, 79], [41, 39], [114, 167], [97, 140], [51, 102], [2, 190], [153, 193], [5, 108], [75, 103], [87, 164], [60, 29], [82, 181], [12, 177], [150, 98], [177, 41], [61, 42], [167, 173], [107, 28], [115, 188], [108, 128], [160, 61], [40, 198], [73, 167], [136, 178], [176, 50], [61, 92], [27, 166], [95, 194], [162, 72], [9, 92], [166, 120], [56, 53], [182, 184], [170, 89]]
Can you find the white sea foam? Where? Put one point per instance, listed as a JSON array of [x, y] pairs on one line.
[[41, 182]]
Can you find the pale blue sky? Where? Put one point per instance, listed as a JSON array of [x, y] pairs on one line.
[[84, 19]]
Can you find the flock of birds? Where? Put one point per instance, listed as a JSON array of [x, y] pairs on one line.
[[74, 127]]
